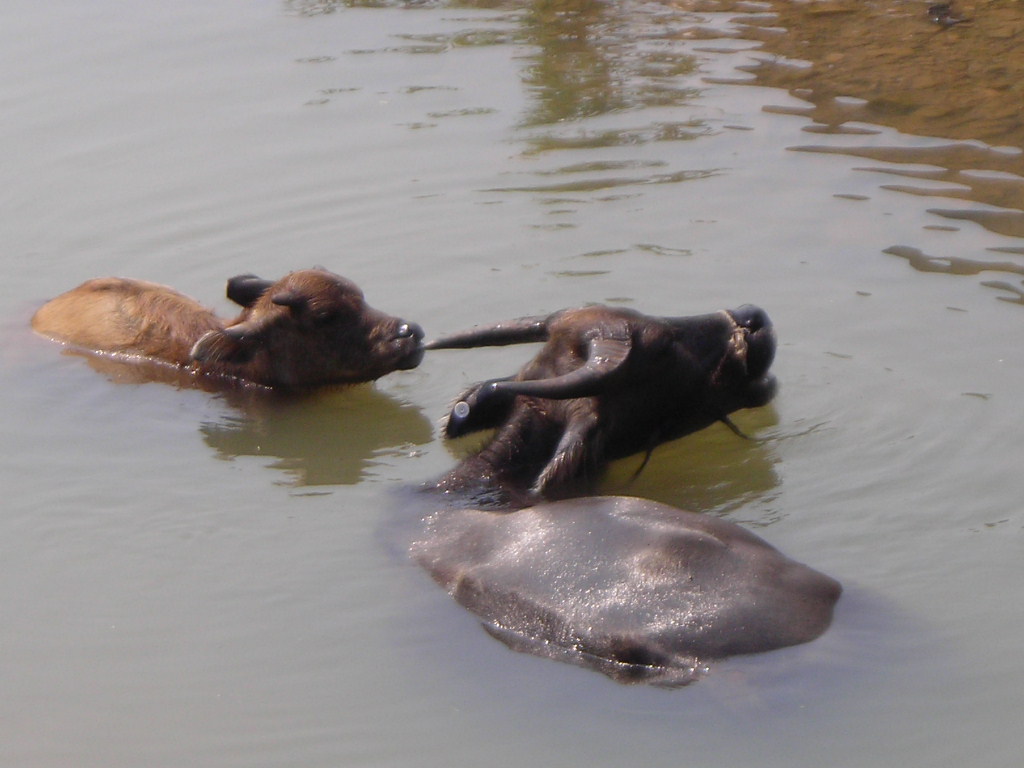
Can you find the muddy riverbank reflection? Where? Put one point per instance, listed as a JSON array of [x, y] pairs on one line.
[[589, 68], [864, 64]]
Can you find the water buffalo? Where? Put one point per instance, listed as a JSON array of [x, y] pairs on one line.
[[635, 589], [640, 591], [307, 329], [608, 383]]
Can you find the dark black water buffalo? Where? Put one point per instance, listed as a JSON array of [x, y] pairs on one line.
[[308, 329], [608, 383], [640, 591]]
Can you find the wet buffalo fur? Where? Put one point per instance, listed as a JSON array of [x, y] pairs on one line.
[[608, 383], [308, 329]]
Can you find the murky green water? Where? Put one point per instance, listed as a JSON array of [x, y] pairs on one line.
[[183, 581]]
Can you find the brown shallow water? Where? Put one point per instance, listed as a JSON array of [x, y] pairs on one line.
[[961, 82], [190, 580], [859, 64]]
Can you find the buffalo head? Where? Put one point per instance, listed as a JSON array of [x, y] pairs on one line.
[[309, 328], [608, 382]]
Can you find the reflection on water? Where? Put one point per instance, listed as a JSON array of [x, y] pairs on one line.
[[721, 473], [952, 266], [890, 64], [582, 138], [331, 438], [587, 59], [968, 171], [592, 59], [610, 182], [965, 82], [185, 599], [590, 68]]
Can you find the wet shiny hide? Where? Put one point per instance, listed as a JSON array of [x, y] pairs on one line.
[[637, 590]]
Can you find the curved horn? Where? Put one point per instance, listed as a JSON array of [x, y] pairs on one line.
[[605, 357], [520, 331], [482, 407], [290, 299]]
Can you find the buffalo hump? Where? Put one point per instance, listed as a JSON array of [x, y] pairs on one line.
[[638, 590]]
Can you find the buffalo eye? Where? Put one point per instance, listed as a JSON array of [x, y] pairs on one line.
[[323, 317]]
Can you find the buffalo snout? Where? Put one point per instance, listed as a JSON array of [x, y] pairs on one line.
[[407, 341], [759, 338], [753, 351]]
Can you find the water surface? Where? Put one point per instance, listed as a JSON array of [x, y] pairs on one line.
[[188, 581]]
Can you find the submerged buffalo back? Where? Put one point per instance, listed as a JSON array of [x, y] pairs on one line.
[[633, 588], [123, 316]]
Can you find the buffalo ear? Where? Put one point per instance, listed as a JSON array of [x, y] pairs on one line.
[[221, 346], [245, 290]]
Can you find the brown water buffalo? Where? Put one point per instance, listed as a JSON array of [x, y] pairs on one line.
[[640, 591], [608, 383], [308, 329]]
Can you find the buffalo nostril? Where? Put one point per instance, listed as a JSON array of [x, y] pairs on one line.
[[409, 330], [752, 318]]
